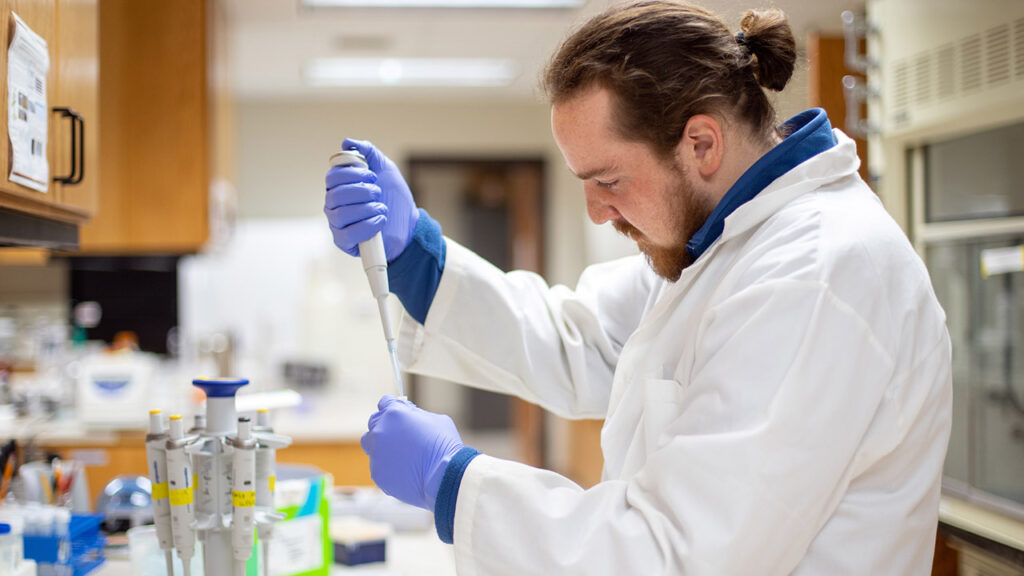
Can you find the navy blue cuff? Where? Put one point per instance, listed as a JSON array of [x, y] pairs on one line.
[[415, 274], [448, 493]]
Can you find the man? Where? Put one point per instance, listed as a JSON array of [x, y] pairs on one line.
[[774, 372]]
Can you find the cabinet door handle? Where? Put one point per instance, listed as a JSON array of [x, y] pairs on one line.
[[77, 147], [81, 148]]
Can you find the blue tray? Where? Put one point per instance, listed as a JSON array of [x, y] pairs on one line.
[[82, 550]]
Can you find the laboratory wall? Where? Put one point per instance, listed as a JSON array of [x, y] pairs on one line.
[[283, 147]]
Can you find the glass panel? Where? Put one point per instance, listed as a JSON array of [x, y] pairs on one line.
[[986, 323], [947, 264], [976, 176]]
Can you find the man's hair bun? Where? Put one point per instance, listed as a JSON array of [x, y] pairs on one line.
[[766, 33]]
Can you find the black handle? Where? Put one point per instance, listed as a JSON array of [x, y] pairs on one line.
[[77, 147], [81, 148]]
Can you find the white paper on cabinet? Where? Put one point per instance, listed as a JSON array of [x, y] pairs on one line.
[[28, 63]]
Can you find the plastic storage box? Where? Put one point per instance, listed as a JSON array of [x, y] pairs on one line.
[[77, 554]]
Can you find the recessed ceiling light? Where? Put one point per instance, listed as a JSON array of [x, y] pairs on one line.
[[410, 72], [442, 3]]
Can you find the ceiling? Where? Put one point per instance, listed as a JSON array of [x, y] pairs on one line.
[[271, 41]]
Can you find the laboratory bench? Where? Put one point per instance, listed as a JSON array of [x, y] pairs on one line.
[[986, 542], [408, 554], [968, 526]]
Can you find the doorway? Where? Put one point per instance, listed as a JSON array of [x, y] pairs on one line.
[[493, 206]]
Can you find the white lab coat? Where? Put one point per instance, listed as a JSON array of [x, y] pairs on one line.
[[783, 408]]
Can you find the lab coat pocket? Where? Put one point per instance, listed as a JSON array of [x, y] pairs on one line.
[[662, 399]]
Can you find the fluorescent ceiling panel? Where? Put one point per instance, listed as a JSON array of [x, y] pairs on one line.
[[410, 72], [442, 3]]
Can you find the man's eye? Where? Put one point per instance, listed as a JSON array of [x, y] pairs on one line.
[[604, 184]]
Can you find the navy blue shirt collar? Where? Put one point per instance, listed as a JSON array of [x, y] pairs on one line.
[[810, 133]]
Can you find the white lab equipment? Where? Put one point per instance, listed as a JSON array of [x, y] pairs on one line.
[[9, 559], [215, 481], [12, 549], [114, 388], [375, 264], [156, 464]]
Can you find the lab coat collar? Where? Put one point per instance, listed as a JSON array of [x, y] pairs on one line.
[[838, 162], [810, 133]]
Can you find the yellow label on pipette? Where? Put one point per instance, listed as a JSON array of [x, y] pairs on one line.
[[271, 482], [160, 491], [246, 499], [182, 497]]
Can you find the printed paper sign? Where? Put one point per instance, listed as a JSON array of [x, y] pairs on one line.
[[28, 63], [1002, 261], [298, 545]]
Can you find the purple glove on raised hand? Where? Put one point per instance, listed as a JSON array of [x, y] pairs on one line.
[[363, 201], [409, 449]]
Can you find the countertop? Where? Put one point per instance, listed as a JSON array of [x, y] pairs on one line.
[[65, 431], [318, 418], [982, 521], [408, 554], [423, 554], [331, 417]]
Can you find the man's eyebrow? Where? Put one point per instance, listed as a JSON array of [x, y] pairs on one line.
[[595, 172]]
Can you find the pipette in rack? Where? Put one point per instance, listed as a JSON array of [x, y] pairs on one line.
[[181, 493], [156, 462]]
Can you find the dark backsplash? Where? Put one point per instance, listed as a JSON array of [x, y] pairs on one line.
[[137, 294]]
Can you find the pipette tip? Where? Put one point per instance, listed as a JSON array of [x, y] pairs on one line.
[[395, 368]]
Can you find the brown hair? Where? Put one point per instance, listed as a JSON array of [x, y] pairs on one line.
[[666, 61]]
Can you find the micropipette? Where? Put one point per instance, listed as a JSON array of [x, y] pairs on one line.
[[243, 494], [375, 264], [181, 493], [266, 462], [156, 462]]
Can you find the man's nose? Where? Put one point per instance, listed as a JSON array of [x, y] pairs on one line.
[[598, 208]]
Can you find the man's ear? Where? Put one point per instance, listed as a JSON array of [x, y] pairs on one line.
[[701, 145]]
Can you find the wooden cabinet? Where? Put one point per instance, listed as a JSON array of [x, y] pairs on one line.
[[164, 103], [78, 73], [345, 461], [69, 29]]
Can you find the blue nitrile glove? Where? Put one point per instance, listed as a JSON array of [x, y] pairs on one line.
[[409, 449], [361, 202]]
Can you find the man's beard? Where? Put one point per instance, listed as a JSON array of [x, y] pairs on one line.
[[688, 213]]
